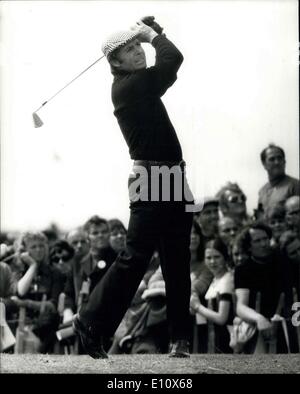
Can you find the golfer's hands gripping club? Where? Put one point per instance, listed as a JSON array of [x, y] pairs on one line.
[[145, 32], [149, 20]]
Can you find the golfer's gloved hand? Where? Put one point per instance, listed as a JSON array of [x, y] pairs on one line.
[[150, 21], [145, 32]]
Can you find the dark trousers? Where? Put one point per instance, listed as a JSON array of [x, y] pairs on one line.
[[163, 226]]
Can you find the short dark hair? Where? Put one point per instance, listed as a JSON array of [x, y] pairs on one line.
[[114, 224], [61, 245], [263, 154], [239, 242], [244, 237], [96, 221], [275, 211]]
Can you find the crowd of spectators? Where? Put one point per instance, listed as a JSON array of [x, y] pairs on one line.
[[245, 277]]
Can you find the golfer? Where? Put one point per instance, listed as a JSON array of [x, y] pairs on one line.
[[155, 223]]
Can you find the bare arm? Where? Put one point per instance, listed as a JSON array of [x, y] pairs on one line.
[[25, 282], [247, 313], [220, 317]]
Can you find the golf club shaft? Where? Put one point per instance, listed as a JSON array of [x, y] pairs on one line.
[[69, 83]]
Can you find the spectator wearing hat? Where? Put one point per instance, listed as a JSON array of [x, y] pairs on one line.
[[280, 186], [154, 223]]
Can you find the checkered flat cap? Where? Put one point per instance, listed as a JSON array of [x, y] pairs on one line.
[[116, 40]]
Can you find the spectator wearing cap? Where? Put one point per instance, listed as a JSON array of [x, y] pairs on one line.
[[232, 203], [292, 213], [280, 186], [117, 238]]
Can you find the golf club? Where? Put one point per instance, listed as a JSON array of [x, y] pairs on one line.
[[36, 119], [148, 20]]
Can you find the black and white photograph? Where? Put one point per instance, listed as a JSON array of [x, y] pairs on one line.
[[150, 194]]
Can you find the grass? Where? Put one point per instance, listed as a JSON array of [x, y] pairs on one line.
[[149, 364]]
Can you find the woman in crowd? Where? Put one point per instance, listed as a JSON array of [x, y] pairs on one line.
[[117, 237], [219, 295], [232, 203]]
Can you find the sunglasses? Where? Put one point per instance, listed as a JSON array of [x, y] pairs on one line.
[[236, 199], [57, 255]]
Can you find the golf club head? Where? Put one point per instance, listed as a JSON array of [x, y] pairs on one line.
[[37, 120]]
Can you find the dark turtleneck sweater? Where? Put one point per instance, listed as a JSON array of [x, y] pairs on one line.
[[139, 110]]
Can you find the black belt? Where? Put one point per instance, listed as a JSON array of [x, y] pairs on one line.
[[150, 163]]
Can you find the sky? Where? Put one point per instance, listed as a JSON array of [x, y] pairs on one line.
[[237, 91]]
